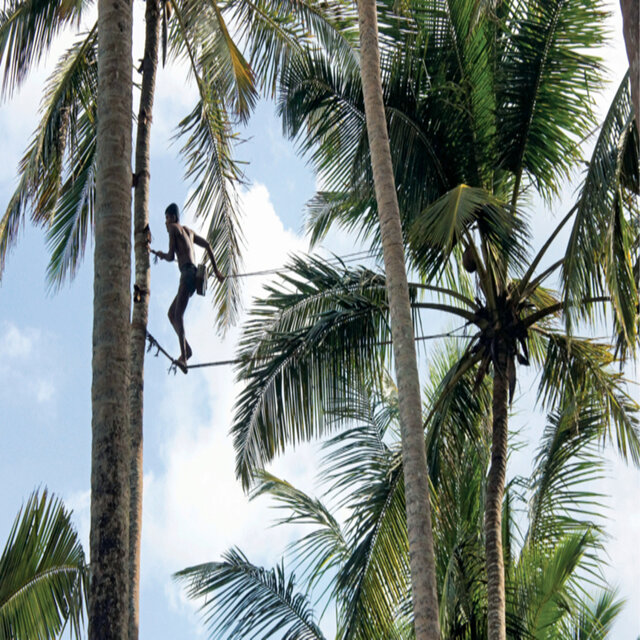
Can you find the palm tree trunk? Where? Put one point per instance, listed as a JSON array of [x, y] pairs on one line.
[[631, 28], [109, 538], [496, 614], [423, 576], [141, 301]]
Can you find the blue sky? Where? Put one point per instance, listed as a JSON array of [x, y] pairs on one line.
[[194, 509]]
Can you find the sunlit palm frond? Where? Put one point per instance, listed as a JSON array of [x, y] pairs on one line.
[[545, 582], [545, 84], [448, 221], [567, 464], [347, 210], [304, 345], [43, 576], [244, 601], [598, 256], [321, 107], [201, 34], [458, 404], [27, 29], [373, 582], [276, 32]]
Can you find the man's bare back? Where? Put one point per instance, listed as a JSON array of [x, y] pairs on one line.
[[181, 245]]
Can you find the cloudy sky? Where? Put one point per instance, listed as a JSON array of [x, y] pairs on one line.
[[193, 508]]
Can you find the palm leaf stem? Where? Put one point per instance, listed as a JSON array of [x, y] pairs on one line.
[[536, 282], [463, 313], [536, 261], [560, 306], [448, 292]]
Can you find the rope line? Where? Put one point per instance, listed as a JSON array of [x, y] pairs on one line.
[[173, 367], [349, 257]]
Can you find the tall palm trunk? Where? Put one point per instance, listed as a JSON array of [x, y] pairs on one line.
[[496, 614], [109, 539], [631, 28], [141, 300], [423, 576]]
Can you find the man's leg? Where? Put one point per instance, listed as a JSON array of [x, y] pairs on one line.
[[176, 316]]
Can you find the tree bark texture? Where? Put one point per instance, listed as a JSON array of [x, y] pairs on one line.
[[496, 614], [109, 538], [631, 29], [423, 575], [141, 301]]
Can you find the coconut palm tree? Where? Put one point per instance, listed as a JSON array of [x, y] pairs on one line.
[[423, 578], [43, 575], [361, 565], [484, 106], [326, 328], [57, 181], [110, 410]]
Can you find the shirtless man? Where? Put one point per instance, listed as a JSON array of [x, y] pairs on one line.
[[181, 244]]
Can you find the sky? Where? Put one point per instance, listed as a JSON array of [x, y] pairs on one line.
[[194, 509]]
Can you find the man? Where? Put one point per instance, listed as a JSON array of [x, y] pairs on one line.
[[181, 244]]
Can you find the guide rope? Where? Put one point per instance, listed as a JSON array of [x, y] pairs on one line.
[[173, 367]]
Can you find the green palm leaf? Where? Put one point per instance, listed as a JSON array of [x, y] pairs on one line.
[[67, 118], [73, 218], [42, 573], [451, 219], [321, 550], [575, 369], [249, 602], [599, 256], [544, 83], [304, 345], [27, 29]]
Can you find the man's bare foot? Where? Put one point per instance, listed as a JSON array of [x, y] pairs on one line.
[[189, 351], [181, 364]]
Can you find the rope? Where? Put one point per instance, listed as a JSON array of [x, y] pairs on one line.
[[349, 257], [173, 367]]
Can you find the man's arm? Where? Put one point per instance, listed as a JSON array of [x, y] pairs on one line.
[[169, 255], [201, 242]]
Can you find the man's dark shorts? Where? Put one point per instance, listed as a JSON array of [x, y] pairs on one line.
[[188, 277]]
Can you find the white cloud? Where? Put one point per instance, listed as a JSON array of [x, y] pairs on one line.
[[17, 343]]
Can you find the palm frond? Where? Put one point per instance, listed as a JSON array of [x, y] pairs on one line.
[[446, 222], [575, 369], [545, 84], [598, 256], [595, 618], [277, 32], [243, 601], [566, 466], [27, 29], [545, 581], [211, 169], [323, 549], [74, 215], [373, 582], [68, 117], [43, 576], [305, 343]]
